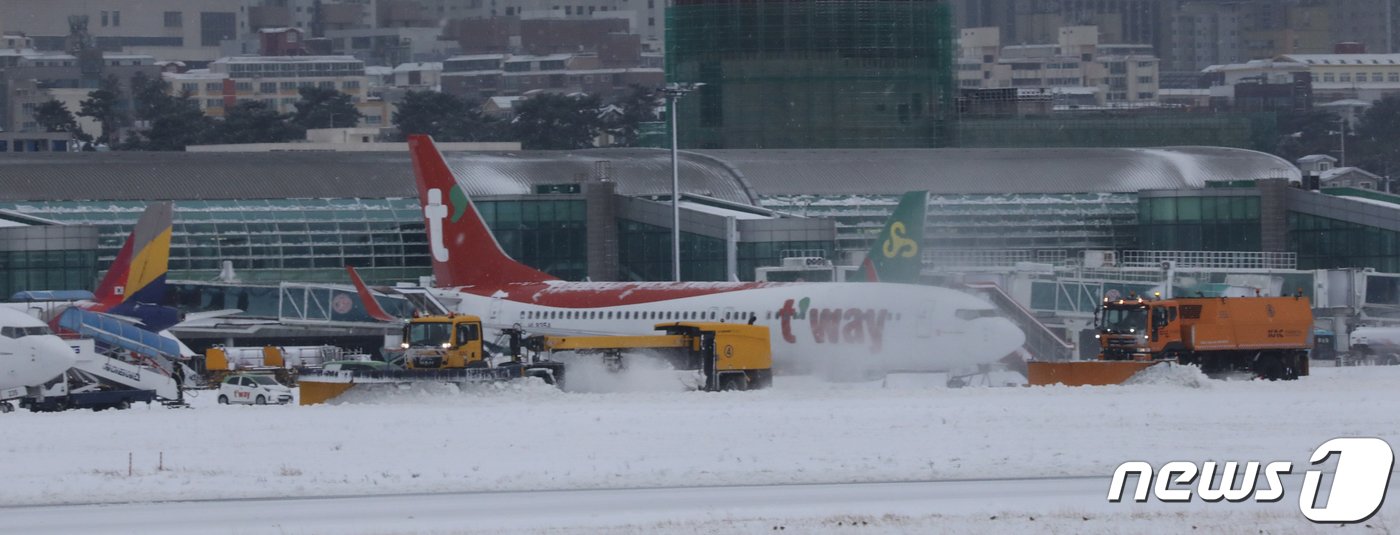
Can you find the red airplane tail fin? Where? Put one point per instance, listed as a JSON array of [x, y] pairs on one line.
[[464, 251], [367, 298]]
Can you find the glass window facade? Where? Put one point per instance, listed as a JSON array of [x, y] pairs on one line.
[[268, 240], [312, 240], [1065, 222], [859, 73], [644, 254], [547, 234], [1206, 223], [47, 257], [1323, 243], [47, 270]]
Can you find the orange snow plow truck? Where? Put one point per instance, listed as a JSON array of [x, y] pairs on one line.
[[1266, 336]]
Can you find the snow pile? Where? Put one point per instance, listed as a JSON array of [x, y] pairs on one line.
[[1171, 374], [640, 372], [445, 393]]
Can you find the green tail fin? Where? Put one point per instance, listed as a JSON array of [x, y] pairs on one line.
[[896, 255]]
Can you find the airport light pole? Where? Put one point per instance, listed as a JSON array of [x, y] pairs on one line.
[[672, 92]]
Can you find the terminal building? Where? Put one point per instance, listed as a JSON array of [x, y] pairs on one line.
[[1054, 228]]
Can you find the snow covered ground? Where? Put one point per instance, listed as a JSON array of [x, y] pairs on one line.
[[532, 437]]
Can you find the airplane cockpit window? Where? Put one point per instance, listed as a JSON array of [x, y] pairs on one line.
[[21, 332]]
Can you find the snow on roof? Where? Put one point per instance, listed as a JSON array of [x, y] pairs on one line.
[[194, 74], [1074, 90], [1367, 200], [1346, 103], [503, 102], [1337, 172], [287, 59], [418, 66], [1344, 59], [548, 57], [1168, 92], [376, 70], [716, 210], [1257, 64], [1316, 158], [470, 57]]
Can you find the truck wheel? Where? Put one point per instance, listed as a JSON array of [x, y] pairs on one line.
[[223, 400], [1392, 360], [1269, 368], [736, 381], [123, 405], [6, 407], [261, 400]]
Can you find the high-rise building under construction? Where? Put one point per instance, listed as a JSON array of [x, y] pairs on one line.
[[813, 74]]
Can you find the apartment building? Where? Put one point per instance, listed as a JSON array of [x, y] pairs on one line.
[[645, 18], [276, 81], [1331, 77], [1077, 67], [177, 30], [483, 76]]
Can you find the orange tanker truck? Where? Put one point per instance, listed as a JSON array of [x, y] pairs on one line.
[[1266, 336]]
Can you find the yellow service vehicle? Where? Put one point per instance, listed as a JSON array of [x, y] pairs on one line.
[[436, 349], [731, 356], [437, 342]]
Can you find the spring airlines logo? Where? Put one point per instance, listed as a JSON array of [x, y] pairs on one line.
[[1357, 491], [436, 213], [898, 244]]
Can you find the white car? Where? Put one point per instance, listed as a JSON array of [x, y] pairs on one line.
[[253, 389]]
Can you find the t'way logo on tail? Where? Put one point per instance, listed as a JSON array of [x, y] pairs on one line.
[[464, 251], [436, 212]]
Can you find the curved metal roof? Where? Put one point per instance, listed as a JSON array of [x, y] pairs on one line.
[[270, 175], [733, 175], [993, 171]]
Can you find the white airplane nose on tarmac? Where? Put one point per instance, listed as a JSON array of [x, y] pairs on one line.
[[49, 357], [999, 336]]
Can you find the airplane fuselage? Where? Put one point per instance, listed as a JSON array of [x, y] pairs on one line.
[[30, 354], [856, 327]]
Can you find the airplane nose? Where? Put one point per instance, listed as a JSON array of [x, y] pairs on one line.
[[53, 356], [999, 333]]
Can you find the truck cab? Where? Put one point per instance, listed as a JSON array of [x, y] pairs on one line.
[[452, 341], [1135, 329]]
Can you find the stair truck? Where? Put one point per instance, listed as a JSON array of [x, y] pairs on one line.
[[730, 356], [1268, 337]]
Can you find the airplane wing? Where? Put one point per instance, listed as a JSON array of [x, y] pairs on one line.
[[196, 316]]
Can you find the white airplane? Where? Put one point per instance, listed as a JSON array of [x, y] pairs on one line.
[[30, 354], [842, 329]]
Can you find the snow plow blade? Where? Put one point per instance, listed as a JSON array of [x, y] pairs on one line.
[[1084, 372], [315, 392], [318, 386]]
